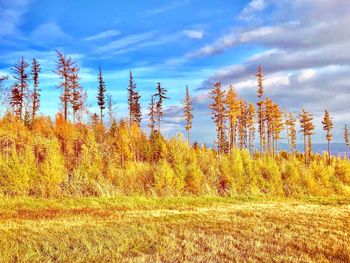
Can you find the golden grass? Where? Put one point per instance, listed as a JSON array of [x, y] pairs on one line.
[[189, 229]]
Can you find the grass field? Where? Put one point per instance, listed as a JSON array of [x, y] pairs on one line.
[[174, 229]]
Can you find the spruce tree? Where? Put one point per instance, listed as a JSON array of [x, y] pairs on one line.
[[15, 101], [307, 128], [101, 94], [36, 90], [64, 68], [261, 113], [75, 89], [250, 126], [161, 92], [219, 115], [20, 88], [188, 113], [243, 124], [233, 110], [152, 114], [291, 132], [134, 106], [328, 126]]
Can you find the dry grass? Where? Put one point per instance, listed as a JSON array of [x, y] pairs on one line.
[[174, 229]]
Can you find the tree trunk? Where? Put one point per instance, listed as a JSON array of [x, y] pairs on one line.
[[305, 148], [329, 152]]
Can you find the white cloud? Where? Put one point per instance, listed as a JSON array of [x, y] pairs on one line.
[[250, 9], [193, 34], [126, 42], [11, 13], [103, 35], [48, 33]]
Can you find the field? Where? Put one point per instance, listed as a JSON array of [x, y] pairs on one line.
[[174, 229]]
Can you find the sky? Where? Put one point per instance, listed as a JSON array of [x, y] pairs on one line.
[[302, 45]]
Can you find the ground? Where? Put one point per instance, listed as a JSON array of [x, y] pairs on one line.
[[192, 229]]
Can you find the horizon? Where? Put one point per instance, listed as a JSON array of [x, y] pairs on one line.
[[302, 47]]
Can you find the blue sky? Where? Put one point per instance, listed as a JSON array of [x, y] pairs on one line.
[[303, 46]]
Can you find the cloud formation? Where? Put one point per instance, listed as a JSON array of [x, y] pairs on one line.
[[11, 14], [103, 35]]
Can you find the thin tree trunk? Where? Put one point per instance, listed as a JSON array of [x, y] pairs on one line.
[[188, 136], [329, 152], [305, 148]]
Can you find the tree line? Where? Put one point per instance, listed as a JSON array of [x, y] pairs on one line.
[[69, 156], [236, 120]]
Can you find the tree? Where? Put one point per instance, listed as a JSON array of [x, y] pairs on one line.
[[21, 86], [36, 90], [307, 129], [233, 110], [161, 92], [218, 115], [75, 92], [101, 94], [188, 115], [291, 132], [110, 109], [94, 119], [269, 120], [64, 68], [277, 126], [250, 126], [83, 108], [260, 104], [328, 126], [152, 114], [242, 124], [134, 102], [346, 139], [16, 100]]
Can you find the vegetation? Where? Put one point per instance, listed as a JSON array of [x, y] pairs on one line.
[[206, 229], [51, 158]]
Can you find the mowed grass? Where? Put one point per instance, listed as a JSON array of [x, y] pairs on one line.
[[192, 229]]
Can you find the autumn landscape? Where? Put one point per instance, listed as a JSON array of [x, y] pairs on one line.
[[130, 134]]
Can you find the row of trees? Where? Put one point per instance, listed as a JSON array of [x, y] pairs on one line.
[[236, 120], [40, 156]]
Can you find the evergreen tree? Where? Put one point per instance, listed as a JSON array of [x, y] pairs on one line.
[[161, 92], [219, 115], [261, 113], [307, 128], [110, 109], [20, 88], [152, 114], [278, 126], [134, 102], [250, 126], [95, 119], [242, 124], [101, 94], [328, 126], [291, 132], [16, 100], [36, 90], [233, 111], [269, 121], [188, 113], [75, 92], [64, 68]]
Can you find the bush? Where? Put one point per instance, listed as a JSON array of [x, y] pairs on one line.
[[165, 182]]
